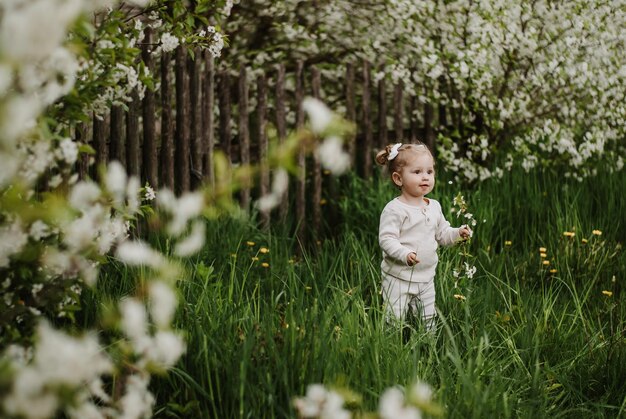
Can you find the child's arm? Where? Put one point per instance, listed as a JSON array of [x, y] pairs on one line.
[[389, 237], [447, 235]]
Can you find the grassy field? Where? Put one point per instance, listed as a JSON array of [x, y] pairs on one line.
[[531, 340]]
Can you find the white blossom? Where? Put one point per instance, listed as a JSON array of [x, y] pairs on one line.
[[12, 240], [58, 359], [115, 180], [319, 114], [168, 42], [39, 230], [84, 194], [163, 303], [393, 406], [137, 401], [68, 150], [332, 155], [165, 349], [321, 403], [139, 253], [134, 319], [193, 242], [149, 193]]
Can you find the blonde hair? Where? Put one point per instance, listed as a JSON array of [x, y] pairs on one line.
[[399, 161]]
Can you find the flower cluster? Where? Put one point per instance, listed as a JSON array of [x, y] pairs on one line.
[[464, 270], [56, 231], [394, 403], [531, 84]]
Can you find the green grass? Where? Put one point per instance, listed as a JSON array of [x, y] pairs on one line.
[[525, 343]]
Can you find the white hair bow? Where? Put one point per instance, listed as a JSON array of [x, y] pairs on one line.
[[394, 151]]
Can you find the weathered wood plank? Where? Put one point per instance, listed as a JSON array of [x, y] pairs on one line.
[[116, 137], [398, 112], [281, 128], [316, 85], [351, 110], [182, 148], [382, 114], [367, 121], [195, 119], [208, 122], [167, 125], [149, 162], [132, 135], [264, 184], [244, 136]]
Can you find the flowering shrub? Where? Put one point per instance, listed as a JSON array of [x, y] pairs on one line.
[[320, 402], [56, 231], [535, 84]]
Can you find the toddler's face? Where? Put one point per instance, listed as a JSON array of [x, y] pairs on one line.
[[417, 177]]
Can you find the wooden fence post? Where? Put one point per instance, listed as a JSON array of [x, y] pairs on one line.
[[225, 113], [281, 128], [367, 122], [382, 113], [132, 135], [300, 183], [81, 135], [263, 146], [351, 109], [182, 149], [398, 123], [149, 162], [116, 136], [100, 144], [167, 125], [316, 84], [195, 121], [412, 120], [244, 136], [429, 133], [208, 101]]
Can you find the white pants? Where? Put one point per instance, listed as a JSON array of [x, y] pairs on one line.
[[400, 296]]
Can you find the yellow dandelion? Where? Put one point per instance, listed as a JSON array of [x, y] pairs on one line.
[[584, 241], [542, 250], [543, 255], [249, 243], [569, 234], [508, 242], [546, 262], [323, 201], [255, 258], [264, 250], [596, 232], [459, 297], [265, 265], [607, 293], [553, 271]]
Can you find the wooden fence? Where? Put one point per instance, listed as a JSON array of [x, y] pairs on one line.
[[169, 137]]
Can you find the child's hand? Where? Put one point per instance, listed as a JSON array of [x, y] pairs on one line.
[[411, 259], [465, 232]]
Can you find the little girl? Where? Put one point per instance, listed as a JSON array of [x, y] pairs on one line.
[[411, 228]]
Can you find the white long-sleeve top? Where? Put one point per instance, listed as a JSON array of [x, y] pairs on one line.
[[404, 229]]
